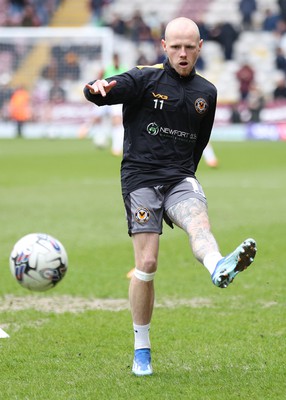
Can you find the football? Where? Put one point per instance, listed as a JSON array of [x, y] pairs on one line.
[[38, 261]]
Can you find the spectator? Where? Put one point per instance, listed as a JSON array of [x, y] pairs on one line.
[[16, 6], [118, 25], [30, 12], [104, 114], [280, 28], [255, 103], [200, 64], [152, 20], [57, 94], [245, 76], [138, 30], [247, 8], [51, 70], [205, 35], [20, 108], [142, 60], [226, 35], [160, 55], [30, 17], [204, 30], [15, 11], [235, 117], [282, 7], [71, 68], [270, 21], [279, 92], [96, 7], [280, 59], [5, 95]]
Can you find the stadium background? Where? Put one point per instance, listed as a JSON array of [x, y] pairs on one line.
[[75, 342], [57, 46]]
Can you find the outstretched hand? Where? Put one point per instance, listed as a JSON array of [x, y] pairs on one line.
[[101, 86]]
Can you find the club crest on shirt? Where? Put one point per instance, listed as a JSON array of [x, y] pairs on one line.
[[142, 215], [201, 105]]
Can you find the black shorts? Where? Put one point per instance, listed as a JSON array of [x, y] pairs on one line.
[[146, 208]]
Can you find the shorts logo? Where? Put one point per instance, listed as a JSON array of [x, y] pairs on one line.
[[142, 215], [201, 105]]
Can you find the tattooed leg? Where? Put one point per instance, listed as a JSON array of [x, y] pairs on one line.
[[192, 216]]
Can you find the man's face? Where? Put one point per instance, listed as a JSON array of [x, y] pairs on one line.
[[182, 50]]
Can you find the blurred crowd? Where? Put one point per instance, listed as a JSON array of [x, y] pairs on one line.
[[149, 28], [65, 62], [30, 13]]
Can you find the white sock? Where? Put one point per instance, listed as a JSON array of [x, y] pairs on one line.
[[210, 261], [141, 336]]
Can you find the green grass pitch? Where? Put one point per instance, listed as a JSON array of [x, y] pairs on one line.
[[75, 342]]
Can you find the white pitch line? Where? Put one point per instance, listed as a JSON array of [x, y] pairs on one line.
[[3, 334], [62, 304]]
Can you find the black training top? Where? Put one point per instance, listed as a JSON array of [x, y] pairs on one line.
[[167, 123]]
